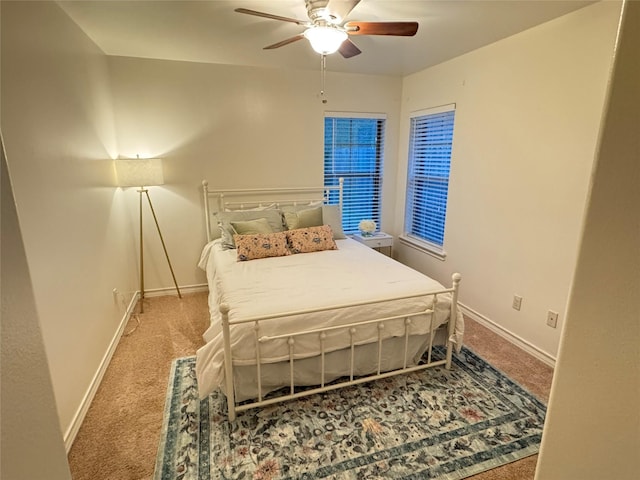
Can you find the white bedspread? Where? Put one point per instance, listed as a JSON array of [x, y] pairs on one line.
[[353, 273]]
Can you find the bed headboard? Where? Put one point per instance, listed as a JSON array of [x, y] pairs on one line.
[[220, 200]]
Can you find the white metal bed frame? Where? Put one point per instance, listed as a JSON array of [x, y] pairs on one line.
[[350, 329], [290, 196]]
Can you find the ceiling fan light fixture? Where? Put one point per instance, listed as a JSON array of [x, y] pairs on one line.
[[325, 40]]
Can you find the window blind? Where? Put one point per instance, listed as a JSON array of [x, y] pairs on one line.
[[353, 150], [430, 141]]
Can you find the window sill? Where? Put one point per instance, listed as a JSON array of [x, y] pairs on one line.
[[428, 248]]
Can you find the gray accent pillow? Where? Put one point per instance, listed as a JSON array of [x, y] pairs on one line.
[[226, 232]]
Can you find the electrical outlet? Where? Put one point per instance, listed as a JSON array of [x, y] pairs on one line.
[[552, 319], [517, 302]]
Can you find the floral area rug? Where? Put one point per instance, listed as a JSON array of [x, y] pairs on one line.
[[434, 424]]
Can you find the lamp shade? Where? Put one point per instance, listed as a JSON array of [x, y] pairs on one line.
[[139, 172], [325, 40]]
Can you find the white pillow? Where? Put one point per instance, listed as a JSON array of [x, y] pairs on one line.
[[332, 216]]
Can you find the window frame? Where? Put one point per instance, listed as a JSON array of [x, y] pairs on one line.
[[409, 238], [377, 173]]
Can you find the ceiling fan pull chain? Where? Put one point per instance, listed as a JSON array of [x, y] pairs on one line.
[[323, 68]]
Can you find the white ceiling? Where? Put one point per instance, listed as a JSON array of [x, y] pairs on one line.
[[209, 31]]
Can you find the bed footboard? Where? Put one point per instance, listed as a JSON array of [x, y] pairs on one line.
[[407, 319]]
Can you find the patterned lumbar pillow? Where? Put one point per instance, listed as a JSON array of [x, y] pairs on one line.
[[312, 239], [261, 245]]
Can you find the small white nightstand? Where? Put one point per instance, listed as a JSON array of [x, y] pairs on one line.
[[377, 241]]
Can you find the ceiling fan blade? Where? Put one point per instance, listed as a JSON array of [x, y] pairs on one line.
[[339, 9], [285, 42], [402, 29], [348, 49], [273, 17]]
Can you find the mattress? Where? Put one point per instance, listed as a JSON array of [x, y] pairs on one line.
[[285, 285]]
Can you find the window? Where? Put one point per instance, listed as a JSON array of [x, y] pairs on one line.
[[430, 141], [353, 149]]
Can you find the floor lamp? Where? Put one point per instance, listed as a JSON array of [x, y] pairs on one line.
[[144, 173]]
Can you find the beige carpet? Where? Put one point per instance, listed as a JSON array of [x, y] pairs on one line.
[[120, 434]]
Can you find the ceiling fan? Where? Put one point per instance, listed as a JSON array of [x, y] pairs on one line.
[[326, 31]]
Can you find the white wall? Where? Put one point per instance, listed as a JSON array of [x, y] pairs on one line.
[[592, 429], [240, 126], [237, 127], [27, 404], [527, 116], [62, 99], [58, 131]]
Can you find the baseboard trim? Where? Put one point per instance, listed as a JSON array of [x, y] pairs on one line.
[[72, 431], [74, 427], [159, 292], [509, 336]]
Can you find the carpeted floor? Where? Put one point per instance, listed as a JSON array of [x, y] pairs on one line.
[[119, 437]]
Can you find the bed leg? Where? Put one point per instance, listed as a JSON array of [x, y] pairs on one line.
[[456, 277], [449, 355], [228, 362]]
